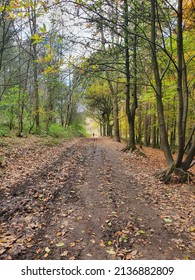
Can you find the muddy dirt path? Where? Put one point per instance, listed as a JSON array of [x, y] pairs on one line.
[[84, 205]]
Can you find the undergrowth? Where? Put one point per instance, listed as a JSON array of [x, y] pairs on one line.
[[74, 130]]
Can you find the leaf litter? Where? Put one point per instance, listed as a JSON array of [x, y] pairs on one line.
[[56, 199]]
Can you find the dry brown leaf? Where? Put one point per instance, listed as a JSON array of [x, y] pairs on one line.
[[64, 254], [72, 244], [39, 250], [102, 244]]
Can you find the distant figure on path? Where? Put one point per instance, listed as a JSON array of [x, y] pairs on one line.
[[93, 134]]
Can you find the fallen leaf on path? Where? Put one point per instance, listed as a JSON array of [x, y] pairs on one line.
[[111, 252], [102, 244], [133, 253], [59, 233], [61, 244], [70, 211], [192, 229], [128, 257], [167, 220], [39, 250], [64, 254], [72, 244], [140, 232], [125, 231], [2, 251], [118, 233], [89, 255], [47, 250]]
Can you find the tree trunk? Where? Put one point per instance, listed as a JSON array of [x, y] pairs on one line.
[[190, 156], [130, 115], [181, 125], [146, 129], [139, 128], [33, 29], [114, 93], [101, 134], [154, 142], [36, 92], [158, 88], [20, 118], [49, 110], [68, 110]]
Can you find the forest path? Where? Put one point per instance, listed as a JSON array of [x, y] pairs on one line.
[[88, 203]]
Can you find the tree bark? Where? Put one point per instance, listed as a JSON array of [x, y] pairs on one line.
[[114, 93], [130, 115], [181, 125], [158, 88], [190, 157], [33, 29]]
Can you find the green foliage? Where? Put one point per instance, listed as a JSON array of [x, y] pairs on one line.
[[8, 107], [74, 130], [58, 131], [77, 130], [4, 131]]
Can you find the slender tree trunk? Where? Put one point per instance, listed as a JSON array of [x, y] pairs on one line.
[[134, 91], [190, 156], [116, 118], [36, 92], [173, 133], [114, 94], [146, 128], [101, 130], [181, 119], [20, 125], [49, 109], [139, 129], [115, 109], [130, 115], [158, 89], [69, 108], [154, 132], [104, 129], [33, 28], [185, 98]]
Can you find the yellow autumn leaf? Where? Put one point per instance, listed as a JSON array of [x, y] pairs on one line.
[[192, 229], [11, 15], [47, 250], [61, 244], [111, 252]]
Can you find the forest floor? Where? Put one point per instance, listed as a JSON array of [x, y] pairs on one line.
[[86, 199]]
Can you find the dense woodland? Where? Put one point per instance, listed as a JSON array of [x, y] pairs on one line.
[[124, 70], [129, 65]]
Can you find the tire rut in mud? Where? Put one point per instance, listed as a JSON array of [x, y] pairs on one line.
[[85, 205], [36, 198]]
